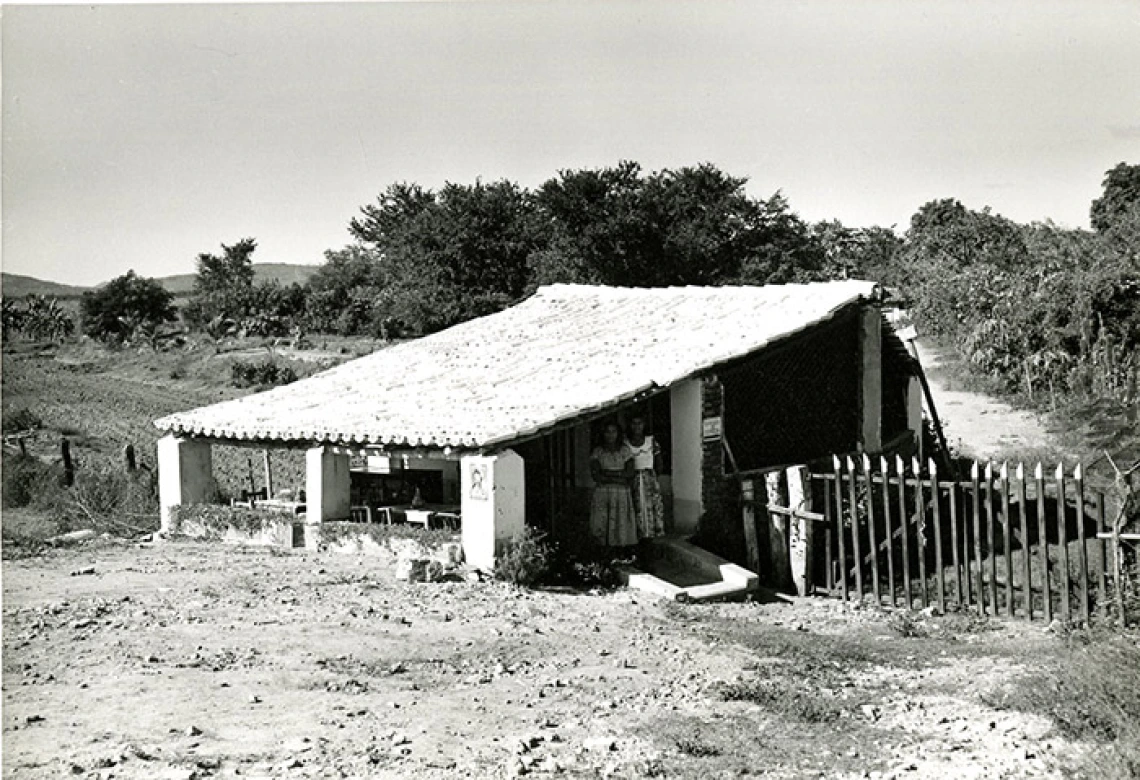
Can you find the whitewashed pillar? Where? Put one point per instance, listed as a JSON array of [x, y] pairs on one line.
[[871, 351], [326, 485], [185, 476], [493, 505]]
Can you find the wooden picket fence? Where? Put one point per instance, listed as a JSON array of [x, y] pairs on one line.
[[1002, 541]]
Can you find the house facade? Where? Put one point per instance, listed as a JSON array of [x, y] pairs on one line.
[[499, 415]]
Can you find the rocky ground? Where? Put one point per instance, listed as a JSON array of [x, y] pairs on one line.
[[184, 660]]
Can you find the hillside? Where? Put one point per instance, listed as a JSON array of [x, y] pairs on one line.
[[17, 286]]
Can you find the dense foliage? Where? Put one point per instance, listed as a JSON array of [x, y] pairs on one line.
[[126, 308], [36, 317]]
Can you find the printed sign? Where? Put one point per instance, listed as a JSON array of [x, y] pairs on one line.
[[711, 428], [478, 483]]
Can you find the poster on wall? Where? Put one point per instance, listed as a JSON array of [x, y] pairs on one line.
[[478, 482]]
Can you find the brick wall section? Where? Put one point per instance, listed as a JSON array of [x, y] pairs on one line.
[[721, 530]]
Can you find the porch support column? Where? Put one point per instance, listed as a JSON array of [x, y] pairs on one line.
[[685, 417], [493, 505], [185, 476], [326, 485], [871, 351]]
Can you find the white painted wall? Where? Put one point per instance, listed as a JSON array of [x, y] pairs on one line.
[[493, 504], [685, 413], [871, 435], [327, 480], [185, 475]]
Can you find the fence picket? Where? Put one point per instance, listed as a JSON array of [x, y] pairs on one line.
[[954, 542], [976, 506], [839, 527], [920, 513], [874, 541], [828, 535], [1063, 544], [1006, 540], [990, 541], [935, 494], [885, 468], [1026, 569], [855, 546], [1082, 551], [1043, 532], [904, 524]]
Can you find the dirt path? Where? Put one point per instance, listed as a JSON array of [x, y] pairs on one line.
[[976, 424], [193, 661]]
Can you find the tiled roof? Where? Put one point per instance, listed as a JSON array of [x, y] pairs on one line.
[[567, 351]]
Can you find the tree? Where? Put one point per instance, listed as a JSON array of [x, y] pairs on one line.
[[449, 256], [126, 308], [227, 271], [1121, 192], [344, 292]]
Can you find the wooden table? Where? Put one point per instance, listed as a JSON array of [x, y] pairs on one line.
[[423, 515]]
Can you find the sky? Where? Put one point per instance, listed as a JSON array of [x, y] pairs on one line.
[[138, 136]]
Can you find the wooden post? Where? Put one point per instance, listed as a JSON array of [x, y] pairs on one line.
[[1082, 552], [960, 588], [828, 539], [1026, 568], [839, 526], [23, 446], [940, 577], [777, 527], [920, 512], [855, 546], [1007, 542], [1063, 543], [129, 457], [1043, 533], [268, 476], [904, 523], [976, 506], [748, 510], [800, 531], [1100, 548], [68, 465], [885, 468], [869, 482], [252, 483]]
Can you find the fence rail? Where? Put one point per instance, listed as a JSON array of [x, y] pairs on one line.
[[1013, 541]]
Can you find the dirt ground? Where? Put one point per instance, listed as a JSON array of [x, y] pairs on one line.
[[183, 660]]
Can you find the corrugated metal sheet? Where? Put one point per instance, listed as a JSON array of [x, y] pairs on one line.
[[566, 351]]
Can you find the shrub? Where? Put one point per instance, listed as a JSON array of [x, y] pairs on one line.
[[21, 420], [261, 374], [525, 559], [109, 499], [28, 481], [127, 308], [216, 519]]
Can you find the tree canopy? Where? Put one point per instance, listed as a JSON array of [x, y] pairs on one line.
[[1121, 194], [127, 307]]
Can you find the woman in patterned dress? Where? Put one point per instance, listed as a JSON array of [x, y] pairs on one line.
[[612, 522], [647, 503]]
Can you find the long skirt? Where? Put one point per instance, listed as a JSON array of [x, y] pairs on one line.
[[612, 521], [648, 505]]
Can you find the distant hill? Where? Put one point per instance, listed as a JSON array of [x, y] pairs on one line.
[[17, 286]]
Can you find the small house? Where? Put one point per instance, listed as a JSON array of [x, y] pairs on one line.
[[495, 418]]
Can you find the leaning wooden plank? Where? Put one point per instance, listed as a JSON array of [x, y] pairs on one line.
[[885, 468], [854, 505], [938, 563], [748, 510], [1043, 535], [1063, 544], [1082, 551], [875, 587], [904, 527]]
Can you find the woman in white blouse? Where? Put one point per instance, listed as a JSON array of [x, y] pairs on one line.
[[649, 507]]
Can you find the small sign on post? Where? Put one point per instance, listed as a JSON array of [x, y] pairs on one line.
[[711, 428]]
